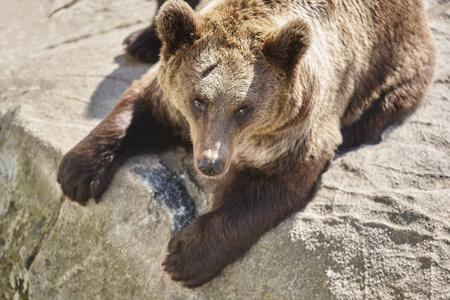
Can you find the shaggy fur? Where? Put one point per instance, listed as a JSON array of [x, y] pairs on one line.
[[266, 91]]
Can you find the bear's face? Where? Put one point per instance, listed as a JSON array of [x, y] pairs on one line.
[[225, 97], [227, 91]]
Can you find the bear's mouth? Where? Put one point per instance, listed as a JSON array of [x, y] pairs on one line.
[[213, 150], [212, 163], [210, 167]]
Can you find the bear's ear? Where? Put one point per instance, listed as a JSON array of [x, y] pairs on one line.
[[177, 24], [284, 47]]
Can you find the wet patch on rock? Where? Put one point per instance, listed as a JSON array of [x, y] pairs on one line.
[[170, 193]]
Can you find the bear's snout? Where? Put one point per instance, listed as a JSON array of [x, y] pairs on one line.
[[210, 167]]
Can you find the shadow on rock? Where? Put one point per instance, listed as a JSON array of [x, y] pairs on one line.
[[114, 85]]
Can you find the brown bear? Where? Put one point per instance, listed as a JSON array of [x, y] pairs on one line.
[[265, 91]]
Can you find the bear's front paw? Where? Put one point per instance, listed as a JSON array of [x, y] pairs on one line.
[[195, 256], [144, 45], [82, 176]]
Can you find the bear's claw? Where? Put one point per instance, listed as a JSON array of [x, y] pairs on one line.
[[195, 256]]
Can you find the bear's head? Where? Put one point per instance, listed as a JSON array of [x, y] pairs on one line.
[[231, 73]]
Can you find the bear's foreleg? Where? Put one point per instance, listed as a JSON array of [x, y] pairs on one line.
[[248, 204], [144, 44], [131, 128]]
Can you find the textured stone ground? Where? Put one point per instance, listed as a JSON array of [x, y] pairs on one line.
[[378, 228]]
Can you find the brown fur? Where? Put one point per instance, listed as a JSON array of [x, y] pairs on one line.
[[264, 89], [144, 44]]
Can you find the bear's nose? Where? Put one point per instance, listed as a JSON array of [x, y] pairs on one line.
[[210, 167]]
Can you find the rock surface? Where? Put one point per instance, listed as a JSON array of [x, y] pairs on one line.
[[378, 227]]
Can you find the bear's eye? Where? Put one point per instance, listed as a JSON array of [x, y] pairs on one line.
[[242, 112], [199, 104]]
